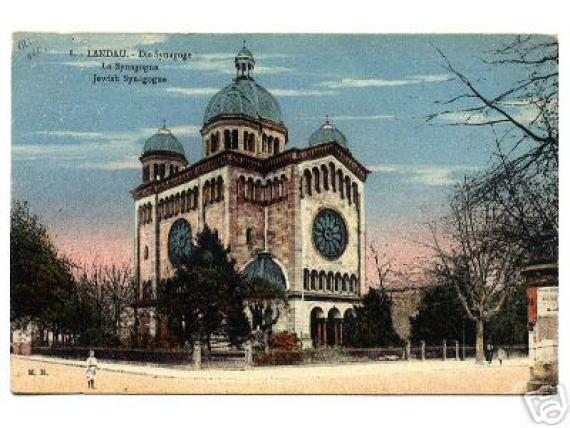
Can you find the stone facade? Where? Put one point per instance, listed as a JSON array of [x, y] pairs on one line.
[[260, 196]]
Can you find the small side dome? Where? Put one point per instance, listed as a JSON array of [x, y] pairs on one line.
[[264, 267], [163, 142], [328, 134]]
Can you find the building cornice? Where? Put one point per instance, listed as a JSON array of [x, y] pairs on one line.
[[261, 166]]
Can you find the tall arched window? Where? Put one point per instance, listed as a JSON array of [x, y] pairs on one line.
[[317, 178], [249, 236], [308, 182], [325, 174], [340, 183], [314, 279], [235, 136], [245, 139], [276, 146], [220, 192], [347, 189], [306, 279], [227, 139], [322, 280]]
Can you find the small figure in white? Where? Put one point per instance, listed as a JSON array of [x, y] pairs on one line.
[[501, 355], [91, 370]]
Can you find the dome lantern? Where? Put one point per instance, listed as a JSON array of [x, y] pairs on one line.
[[244, 63]]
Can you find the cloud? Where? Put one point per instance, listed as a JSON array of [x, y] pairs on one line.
[[193, 92], [300, 92], [114, 150], [126, 164], [526, 114], [223, 63], [72, 134], [429, 175], [348, 118], [379, 83], [209, 91]]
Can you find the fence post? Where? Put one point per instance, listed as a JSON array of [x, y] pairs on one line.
[[423, 350], [197, 356], [408, 350], [248, 355], [457, 350], [444, 349]]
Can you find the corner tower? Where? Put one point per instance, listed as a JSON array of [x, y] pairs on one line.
[[163, 155], [244, 116]]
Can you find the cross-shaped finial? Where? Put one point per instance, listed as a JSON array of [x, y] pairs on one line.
[[163, 123], [244, 43]]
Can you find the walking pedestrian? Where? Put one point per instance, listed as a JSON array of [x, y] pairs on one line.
[[91, 371]]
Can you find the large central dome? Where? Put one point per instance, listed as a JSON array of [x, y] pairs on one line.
[[243, 97]]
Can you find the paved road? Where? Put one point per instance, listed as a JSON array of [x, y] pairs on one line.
[[414, 377]]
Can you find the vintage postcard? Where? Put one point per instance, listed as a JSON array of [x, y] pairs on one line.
[[284, 214]]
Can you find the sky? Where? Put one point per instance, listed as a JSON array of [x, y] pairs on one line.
[[75, 144]]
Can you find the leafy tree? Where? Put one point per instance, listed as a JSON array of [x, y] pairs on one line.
[[372, 325], [204, 296], [40, 279], [440, 317]]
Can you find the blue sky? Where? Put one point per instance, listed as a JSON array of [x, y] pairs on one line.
[[75, 145]]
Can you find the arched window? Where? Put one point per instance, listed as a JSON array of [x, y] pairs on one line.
[[340, 183], [220, 185], [314, 279], [347, 189], [325, 174], [352, 287], [355, 193], [276, 146], [257, 195], [177, 204], [317, 178], [250, 188], [251, 144], [249, 236], [308, 180], [330, 281], [322, 280], [337, 282], [345, 281], [235, 143], [332, 173], [183, 201], [196, 195], [145, 254], [245, 139], [306, 279], [270, 144], [227, 139]]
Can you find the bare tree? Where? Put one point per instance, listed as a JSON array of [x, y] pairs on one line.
[[522, 181], [382, 264], [472, 257]]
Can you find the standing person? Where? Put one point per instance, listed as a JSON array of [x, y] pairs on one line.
[[91, 370], [501, 355], [489, 353]]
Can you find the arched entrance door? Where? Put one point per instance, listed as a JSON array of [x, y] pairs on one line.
[[318, 331], [334, 328]]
